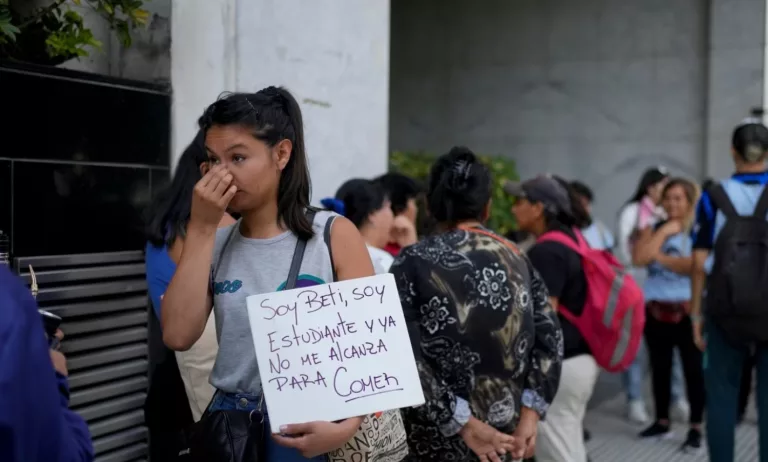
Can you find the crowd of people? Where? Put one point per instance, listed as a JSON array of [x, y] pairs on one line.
[[506, 368]]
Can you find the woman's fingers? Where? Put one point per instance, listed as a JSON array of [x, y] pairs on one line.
[[296, 442], [216, 186], [210, 175], [218, 177], [298, 429], [228, 195], [223, 185], [531, 450]]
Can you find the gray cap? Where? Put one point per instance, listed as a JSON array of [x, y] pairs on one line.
[[544, 189]]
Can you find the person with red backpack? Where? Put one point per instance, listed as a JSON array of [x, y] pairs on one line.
[[600, 308], [666, 252]]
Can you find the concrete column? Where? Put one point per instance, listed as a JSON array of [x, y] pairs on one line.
[[203, 62], [765, 61], [736, 77], [333, 56]]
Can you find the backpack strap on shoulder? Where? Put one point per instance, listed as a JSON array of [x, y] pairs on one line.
[[722, 201], [761, 209], [215, 270], [327, 239], [298, 257], [578, 246]]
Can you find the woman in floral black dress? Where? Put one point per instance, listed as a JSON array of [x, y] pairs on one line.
[[487, 342]]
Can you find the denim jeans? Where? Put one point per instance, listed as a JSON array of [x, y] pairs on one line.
[[723, 364], [246, 403], [633, 377]]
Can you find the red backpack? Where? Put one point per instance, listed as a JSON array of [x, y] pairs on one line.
[[614, 311]]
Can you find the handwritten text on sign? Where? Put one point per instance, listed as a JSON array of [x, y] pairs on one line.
[[333, 351]]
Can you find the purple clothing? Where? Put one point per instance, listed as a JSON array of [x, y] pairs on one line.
[[36, 424]]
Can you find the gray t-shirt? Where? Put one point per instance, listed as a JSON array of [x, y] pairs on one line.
[[249, 267]]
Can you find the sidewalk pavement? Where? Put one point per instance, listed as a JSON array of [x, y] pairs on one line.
[[614, 439]]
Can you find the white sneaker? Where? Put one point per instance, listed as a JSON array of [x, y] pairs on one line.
[[681, 410], [636, 412]]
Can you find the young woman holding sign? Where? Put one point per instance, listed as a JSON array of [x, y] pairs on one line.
[[258, 168], [488, 344]]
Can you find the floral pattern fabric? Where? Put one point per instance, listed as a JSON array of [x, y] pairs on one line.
[[483, 333]]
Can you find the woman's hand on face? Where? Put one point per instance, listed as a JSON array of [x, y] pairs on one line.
[[403, 231], [485, 441], [211, 197], [315, 438]]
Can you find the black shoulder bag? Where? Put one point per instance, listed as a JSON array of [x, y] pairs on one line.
[[234, 436]]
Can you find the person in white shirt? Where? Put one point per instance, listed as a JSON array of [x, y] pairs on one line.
[[366, 205], [597, 235]]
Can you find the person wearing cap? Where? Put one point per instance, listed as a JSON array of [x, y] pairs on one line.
[[724, 360], [543, 204]]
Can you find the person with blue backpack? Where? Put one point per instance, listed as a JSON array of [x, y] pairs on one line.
[[730, 261]]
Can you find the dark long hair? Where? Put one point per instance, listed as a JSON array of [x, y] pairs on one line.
[[357, 199], [273, 115], [650, 177], [578, 218], [459, 187], [167, 217], [399, 189]]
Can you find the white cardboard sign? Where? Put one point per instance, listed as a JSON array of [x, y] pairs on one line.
[[333, 351]]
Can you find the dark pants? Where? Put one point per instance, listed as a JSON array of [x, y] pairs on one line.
[[746, 384], [166, 409], [662, 338], [723, 370]]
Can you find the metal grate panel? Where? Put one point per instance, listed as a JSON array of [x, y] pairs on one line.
[[102, 299]]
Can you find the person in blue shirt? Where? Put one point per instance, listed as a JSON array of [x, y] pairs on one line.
[[166, 228], [36, 424], [723, 361], [666, 251], [167, 220], [597, 235]]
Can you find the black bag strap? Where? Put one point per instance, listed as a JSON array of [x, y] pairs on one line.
[[722, 202], [290, 283], [298, 256], [761, 209], [327, 238], [215, 270]]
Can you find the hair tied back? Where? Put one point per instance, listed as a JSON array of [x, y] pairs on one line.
[[333, 204], [459, 175], [753, 152]]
